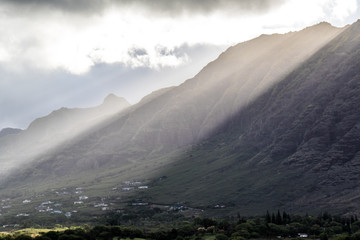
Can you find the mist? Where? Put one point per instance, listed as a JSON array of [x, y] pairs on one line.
[[168, 119], [53, 132]]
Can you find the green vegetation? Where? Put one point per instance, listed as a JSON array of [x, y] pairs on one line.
[[275, 225]]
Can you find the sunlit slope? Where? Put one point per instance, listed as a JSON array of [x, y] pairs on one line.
[[178, 117], [296, 147], [190, 112], [55, 129]]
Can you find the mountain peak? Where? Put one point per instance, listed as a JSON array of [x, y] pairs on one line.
[[113, 99], [324, 24], [320, 26], [110, 97]]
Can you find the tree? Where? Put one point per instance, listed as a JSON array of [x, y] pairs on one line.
[[323, 236], [285, 218], [268, 217], [52, 235], [23, 237], [221, 237], [278, 218], [273, 219]]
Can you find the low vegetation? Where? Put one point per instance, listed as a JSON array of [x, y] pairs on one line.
[[276, 225]]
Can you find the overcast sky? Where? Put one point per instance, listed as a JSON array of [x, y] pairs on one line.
[[72, 53]]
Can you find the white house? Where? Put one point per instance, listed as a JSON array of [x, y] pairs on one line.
[[83, 197], [302, 235]]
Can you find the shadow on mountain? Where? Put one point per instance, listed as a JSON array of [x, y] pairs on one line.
[[295, 147]]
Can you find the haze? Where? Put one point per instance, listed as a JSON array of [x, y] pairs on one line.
[[54, 54]]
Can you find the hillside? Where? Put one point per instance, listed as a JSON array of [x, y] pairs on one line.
[[47, 133], [296, 147], [8, 131], [263, 108], [178, 117]]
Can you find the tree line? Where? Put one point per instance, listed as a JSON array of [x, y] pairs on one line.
[[273, 225]]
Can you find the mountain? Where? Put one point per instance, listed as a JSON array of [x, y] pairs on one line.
[[55, 129], [269, 124], [178, 117], [8, 131], [296, 147]]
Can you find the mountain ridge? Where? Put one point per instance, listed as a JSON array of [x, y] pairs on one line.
[[246, 114], [188, 106], [301, 136], [62, 125]]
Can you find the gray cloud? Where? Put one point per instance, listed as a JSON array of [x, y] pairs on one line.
[[76, 6], [27, 95], [166, 7], [135, 52], [206, 6]]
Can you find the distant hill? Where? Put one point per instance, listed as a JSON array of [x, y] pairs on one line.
[[51, 131], [8, 131]]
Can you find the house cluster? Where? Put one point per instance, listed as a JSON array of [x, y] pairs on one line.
[[81, 200], [5, 203], [132, 185], [22, 215], [83, 197], [52, 202], [178, 207], [63, 193], [103, 206], [219, 206], [300, 235], [303, 235], [11, 225], [171, 208], [139, 204], [45, 207], [78, 190], [48, 207]]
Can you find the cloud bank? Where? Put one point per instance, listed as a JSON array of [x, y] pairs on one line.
[[75, 52], [170, 7], [77, 34]]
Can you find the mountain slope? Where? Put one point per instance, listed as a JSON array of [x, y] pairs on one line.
[[296, 147], [214, 134], [178, 117], [48, 132]]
